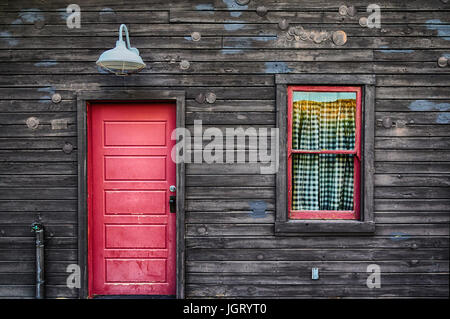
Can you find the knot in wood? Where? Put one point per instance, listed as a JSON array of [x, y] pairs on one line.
[[39, 24], [210, 97], [442, 61], [387, 122], [343, 10], [184, 64], [261, 11], [32, 122], [67, 148], [56, 98], [363, 21], [242, 2], [196, 36], [339, 37], [283, 24], [200, 98], [351, 11]]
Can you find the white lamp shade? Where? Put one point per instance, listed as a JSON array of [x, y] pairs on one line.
[[121, 60]]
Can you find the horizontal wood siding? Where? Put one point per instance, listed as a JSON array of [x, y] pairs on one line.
[[229, 253]]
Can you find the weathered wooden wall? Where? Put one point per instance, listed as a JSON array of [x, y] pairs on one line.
[[229, 253]]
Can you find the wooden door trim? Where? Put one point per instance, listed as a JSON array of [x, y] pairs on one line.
[[83, 98]]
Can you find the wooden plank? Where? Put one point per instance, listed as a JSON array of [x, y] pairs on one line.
[[281, 202], [230, 169], [230, 180], [409, 155], [241, 217], [51, 230], [170, 54], [350, 279], [421, 105], [319, 242], [236, 118], [30, 254], [37, 155], [412, 143], [43, 168], [222, 205], [230, 291], [44, 118], [40, 93], [289, 267], [247, 217], [232, 106], [367, 214], [413, 93], [36, 205], [44, 105], [416, 118], [412, 205], [412, 180], [102, 28], [45, 217], [31, 143], [85, 81], [412, 192], [414, 79], [30, 242], [229, 229], [51, 279], [374, 255], [44, 130], [100, 43], [415, 167], [355, 42], [260, 229], [27, 266], [406, 68], [262, 27], [412, 217], [25, 193], [158, 77], [222, 93], [212, 5], [387, 54], [23, 291], [34, 73], [206, 192], [411, 130], [89, 17], [413, 229], [191, 16]]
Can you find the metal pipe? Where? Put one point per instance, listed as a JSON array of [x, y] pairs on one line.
[[38, 228]]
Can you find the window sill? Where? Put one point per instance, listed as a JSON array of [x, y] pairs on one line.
[[293, 227]]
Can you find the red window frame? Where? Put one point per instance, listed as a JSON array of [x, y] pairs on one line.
[[327, 214]]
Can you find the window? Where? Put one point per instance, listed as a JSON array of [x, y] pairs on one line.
[[324, 153]]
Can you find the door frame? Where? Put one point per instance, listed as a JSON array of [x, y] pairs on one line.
[[126, 95]]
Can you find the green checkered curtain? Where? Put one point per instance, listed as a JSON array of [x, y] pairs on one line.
[[323, 181]]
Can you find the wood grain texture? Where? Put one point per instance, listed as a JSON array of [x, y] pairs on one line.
[[242, 58]]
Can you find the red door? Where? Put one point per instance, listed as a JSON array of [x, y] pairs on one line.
[[131, 229]]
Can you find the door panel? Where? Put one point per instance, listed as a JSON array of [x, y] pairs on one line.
[[135, 167], [131, 230]]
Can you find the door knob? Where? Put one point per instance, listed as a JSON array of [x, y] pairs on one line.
[[172, 188]]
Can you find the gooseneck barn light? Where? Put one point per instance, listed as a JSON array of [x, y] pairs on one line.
[[123, 59]]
